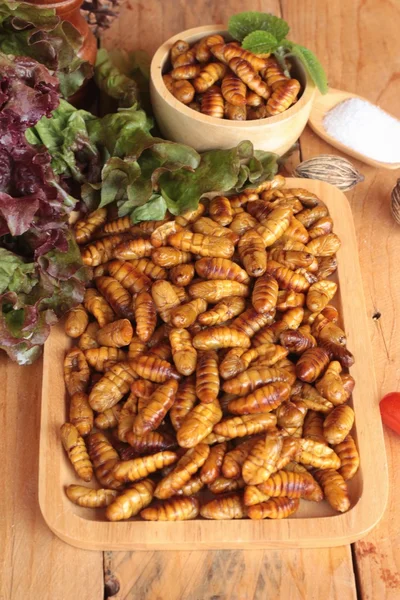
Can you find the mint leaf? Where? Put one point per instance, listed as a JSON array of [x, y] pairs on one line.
[[241, 25], [154, 209], [260, 42], [312, 64]]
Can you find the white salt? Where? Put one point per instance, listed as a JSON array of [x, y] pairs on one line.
[[365, 128]]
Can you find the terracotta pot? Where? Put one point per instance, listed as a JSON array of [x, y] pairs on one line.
[[69, 10]]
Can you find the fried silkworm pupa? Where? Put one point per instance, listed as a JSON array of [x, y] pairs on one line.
[[262, 459], [335, 489], [203, 245], [220, 337], [198, 424], [230, 506], [88, 339], [131, 501], [112, 386], [185, 400], [152, 415], [109, 418], [338, 424], [262, 400], [85, 228], [181, 275], [153, 368], [245, 425], [265, 294], [96, 305], [80, 413], [223, 311], [252, 253], [76, 322], [165, 299], [145, 316], [90, 498], [220, 210], [349, 458], [116, 334], [283, 97], [254, 378], [233, 90], [116, 295], [243, 69], [292, 485], [76, 371], [211, 468], [187, 465], [207, 377], [311, 364], [275, 508], [222, 485], [234, 459], [186, 314], [183, 353], [75, 448], [209, 75], [176, 509], [104, 458], [138, 468]]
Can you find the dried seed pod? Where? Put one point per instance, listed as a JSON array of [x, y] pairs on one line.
[[131, 501], [214, 291], [109, 418], [181, 274], [275, 226], [97, 306], [207, 378], [220, 210], [76, 371], [165, 299], [220, 337], [338, 424], [138, 468], [152, 415], [148, 267], [186, 314], [177, 509], [76, 322], [265, 294], [130, 278], [88, 339], [283, 97], [209, 75], [75, 447], [317, 455], [292, 485], [112, 386], [245, 425], [311, 364], [187, 465], [85, 228], [313, 427], [203, 245], [349, 458], [90, 498], [117, 296], [254, 378], [115, 335], [100, 251], [185, 72], [330, 168], [227, 507], [275, 508], [185, 400], [211, 468], [252, 253], [183, 353], [324, 245], [335, 489], [198, 423], [273, 74], [169, 257], [263, 400], [233, 90], [153, 368]]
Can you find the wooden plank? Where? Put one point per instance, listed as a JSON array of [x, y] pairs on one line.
[[334, 567], [34, 563], [358, 58]]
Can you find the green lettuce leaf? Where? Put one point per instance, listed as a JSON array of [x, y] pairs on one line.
[[111, 80], [154, 209], [15, 274]]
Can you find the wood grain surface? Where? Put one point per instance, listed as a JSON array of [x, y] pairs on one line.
[[359, 44]]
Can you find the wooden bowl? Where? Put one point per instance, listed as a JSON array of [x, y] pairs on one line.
[[180, 123]]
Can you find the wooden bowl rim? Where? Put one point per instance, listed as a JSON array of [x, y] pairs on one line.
[[160, 57]]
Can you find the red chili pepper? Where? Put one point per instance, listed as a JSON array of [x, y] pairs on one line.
[[390, 410]]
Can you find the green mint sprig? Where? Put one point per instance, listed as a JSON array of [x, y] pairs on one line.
[[263, 33]]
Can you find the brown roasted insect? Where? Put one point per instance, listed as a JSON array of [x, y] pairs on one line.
[[88, 339], [209, 75], [262, 400], [292, 485], [250, 321], [116, 334], [136, 348], [131, 501], [85, 228], [252, 253], [153, 368], [211, 468], [275, 226], [262, 459], [202, 245], [104, 458], [253, 495], [80, 413], [118, 225], [245, 425], [214, 291], [148, 267], [227, 507], [75, 447], [186, 314], [220, 210], [338, 424], [331, 387], [297, 341], [265, 294], [100, 251], [349, 458], [130, 278], [109, 418], [326, 266], [76, 322], [165, 299], [150, 442], [273, 73], [207, 378], [313, 426], [233, 90], [235, 113], [145, 316], [127, 417], [176, 509], [275, 508], [185, 72], [311, 364], [234, 459], [220, 337], [320, 294], [198, 423], [324, 245], [286, 278], [96, 305], [222, 485], [311, 215], [183, 353], [181, 274], [187, 465], [138, 468], [254, 378], [204, 47], [212, 103], [76, 371], [112, 386], [290, 415], [90, 498], [243, 69], [183, 90], [256, 113], [321, 227], [133, 249], [224, 310], [117, 296], [231, 364], [289, 299], [152, 415], [185, 400], [312, 399], [317, 455], [335, 489], [283, 96], [242, 223], [178, 48], [99, 358]]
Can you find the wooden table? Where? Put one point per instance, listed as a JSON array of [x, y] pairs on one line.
[[359, 45]]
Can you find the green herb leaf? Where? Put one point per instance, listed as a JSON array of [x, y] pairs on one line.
[[260, 42], [15, 274], [241, 25], [111, 80], [311, 63], [154, 209]]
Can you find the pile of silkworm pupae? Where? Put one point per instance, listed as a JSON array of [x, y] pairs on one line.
[[222, 79], [211, 375]]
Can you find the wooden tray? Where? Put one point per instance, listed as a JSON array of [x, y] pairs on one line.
[[314, 525]]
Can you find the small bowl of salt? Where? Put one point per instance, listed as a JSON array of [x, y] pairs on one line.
[[358, 128]]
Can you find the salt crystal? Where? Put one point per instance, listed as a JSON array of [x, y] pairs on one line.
[[365, 128]]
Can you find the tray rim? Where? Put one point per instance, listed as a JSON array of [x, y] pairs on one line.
[[300, 532]]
